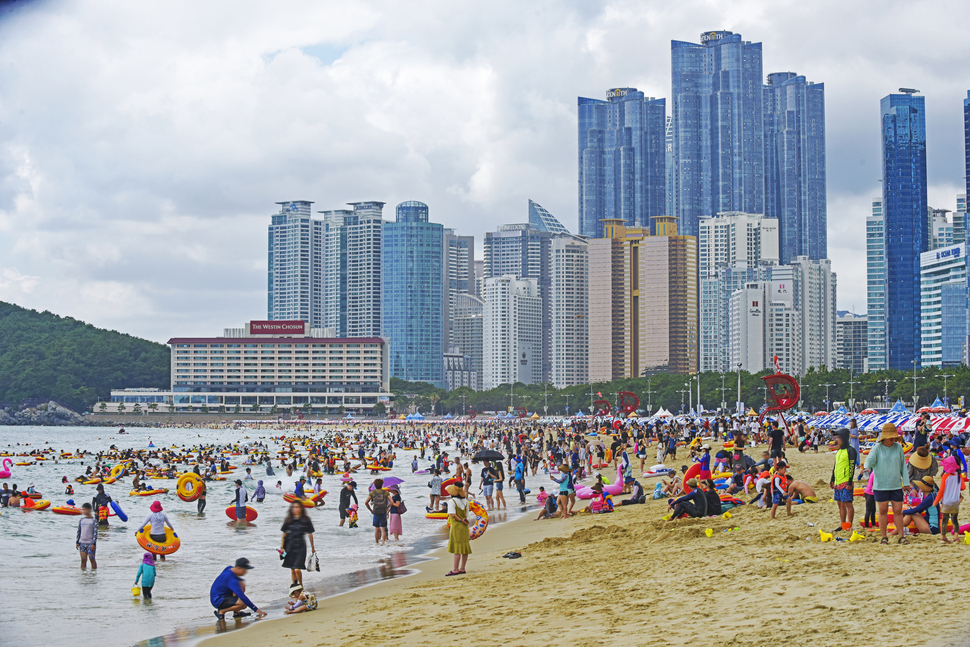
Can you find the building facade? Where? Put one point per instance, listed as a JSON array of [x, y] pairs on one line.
[[733, 249], [468, 331], [943, 305], [904, 207], [294, 255], [569, 311], [351, 274], [458, 371], [541, 219], [795, 191], [511, 332], [876, 286], [413, 294], [765, 325], [816, 302], [717, 117], [459, 275], [270, 365], [852, 342], [621, 159], [643, 295]]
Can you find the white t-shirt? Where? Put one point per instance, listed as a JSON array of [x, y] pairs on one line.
[[455, 504]]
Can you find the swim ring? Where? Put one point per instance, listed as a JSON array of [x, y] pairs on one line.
[[436, 515], [148, 492], [41, 504], [66, 509], [167, 547], [187, 486], [476, 526], [307, 503], [251, 513], [117, 470]]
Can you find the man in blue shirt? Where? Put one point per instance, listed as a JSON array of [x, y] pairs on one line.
[[298, 490], [519, 476], [228, 592]]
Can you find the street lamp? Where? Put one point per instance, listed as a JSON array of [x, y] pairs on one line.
[[649, 399], [827, 401], [886, 384], [946, 400], [690, 394], [567, 396], [915, 377], [682, 392], [723, 389], [699, 394], [851, 383], [738, 407]]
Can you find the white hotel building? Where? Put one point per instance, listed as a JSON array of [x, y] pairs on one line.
[[267, 364]]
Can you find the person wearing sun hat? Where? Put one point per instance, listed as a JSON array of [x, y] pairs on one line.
[[922, 463], [926, 515], [157, 520], [459, 543], [888, 465]]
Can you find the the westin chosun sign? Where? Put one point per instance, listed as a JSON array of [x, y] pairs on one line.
[[296, 327]]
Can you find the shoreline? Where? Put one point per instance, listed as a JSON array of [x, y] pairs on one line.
[[629, 578], [424, 571]]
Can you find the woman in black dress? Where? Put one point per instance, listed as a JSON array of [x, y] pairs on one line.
[[293, 544]]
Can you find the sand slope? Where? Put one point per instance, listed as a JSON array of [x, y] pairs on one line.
[[629, 579]]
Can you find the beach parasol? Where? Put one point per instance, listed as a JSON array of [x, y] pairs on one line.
[[388, 482]]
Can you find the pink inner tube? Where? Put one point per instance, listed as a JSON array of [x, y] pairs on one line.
[[615, 489]]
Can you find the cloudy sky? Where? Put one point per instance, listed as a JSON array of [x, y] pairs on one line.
[[143, 144]]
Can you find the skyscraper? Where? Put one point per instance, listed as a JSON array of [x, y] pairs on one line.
[[542, 220], [717, 112], [621, 159], [568, 333], [512, 331], [851, 342], [459, 276], [351, 274], [733, 249], [294, 243], [943, 309], [467, 332], [876, 287], [643, 300], [966, 140], [794, 117], [904, 207], [412, 294]]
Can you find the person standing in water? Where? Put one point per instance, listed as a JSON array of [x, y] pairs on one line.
[[87, 537], [200, 502]]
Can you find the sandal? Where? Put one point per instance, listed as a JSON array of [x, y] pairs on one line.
[[902, 540], [450, 573], [884, 540]]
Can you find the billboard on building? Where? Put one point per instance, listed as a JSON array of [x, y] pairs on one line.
[[293, 327]]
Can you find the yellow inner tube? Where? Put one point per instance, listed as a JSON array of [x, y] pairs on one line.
[[167, 547], [117, 470], [188, 484]]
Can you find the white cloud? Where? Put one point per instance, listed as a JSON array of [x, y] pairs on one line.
[[142, 145]]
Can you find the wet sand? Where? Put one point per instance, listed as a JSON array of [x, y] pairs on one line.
[[627, 578]]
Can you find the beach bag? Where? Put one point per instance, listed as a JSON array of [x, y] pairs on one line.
[[401, 509], [313, 563]]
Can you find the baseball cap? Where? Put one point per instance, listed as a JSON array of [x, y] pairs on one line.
[[242, 562]]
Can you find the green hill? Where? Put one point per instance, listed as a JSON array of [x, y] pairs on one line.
[[44, 355]]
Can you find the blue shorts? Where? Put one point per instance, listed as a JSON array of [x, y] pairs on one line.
[[499, 485], [89, 549], [888, 495], [843, 494], [777, 498], [489, 489]]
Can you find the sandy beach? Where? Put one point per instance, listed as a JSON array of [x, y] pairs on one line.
[[627, 578]]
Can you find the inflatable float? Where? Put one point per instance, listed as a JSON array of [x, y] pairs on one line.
[[477, 527], [251, 513], [436, 515], [118, 511], [160, 490], [167, 547], [584, 492], [30, 504], [66, 509], [289, 497], [187, 487]]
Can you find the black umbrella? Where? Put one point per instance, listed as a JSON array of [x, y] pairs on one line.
[[488, 455]]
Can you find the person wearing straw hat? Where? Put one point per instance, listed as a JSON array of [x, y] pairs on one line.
[[922, 463], [926, 515], [459, 543], [888, 465]]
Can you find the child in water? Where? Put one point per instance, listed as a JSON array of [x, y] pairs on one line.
[[146, 573], [300, 600], [353, 515]]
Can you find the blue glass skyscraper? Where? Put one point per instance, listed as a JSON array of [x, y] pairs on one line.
[[621, 160], [904, 208], [717, 128], [966, 138], [794, 116], [412, 294]]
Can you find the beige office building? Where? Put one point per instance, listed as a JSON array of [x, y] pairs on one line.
[[642, 301]]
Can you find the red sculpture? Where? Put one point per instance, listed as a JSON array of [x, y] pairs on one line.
[[603, 407], [521, 411], [783, 390], [629, 402]]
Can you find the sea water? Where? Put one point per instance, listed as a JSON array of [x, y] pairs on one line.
[[45, 598]]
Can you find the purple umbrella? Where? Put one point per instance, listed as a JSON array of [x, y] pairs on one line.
[[388, 482]]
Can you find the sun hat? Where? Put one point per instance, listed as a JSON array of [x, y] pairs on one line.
[[692, 482], [705, 446], [156, 506], [296, 586], [454, 489], [920, 462], [949, 465], [888, 432], [925, 484]]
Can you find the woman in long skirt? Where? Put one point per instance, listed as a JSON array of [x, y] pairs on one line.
[[459, 543]]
